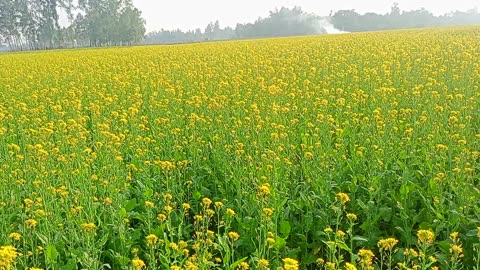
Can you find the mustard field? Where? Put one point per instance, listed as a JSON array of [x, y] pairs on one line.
[[352, 151]]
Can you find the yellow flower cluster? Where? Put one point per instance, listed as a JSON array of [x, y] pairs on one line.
[[89, 226], [290, 264], [387, 244], [8, 254], [425, 236], [343, 198], [365, 258]]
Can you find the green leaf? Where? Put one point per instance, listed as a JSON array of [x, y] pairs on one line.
[[122, 213], [52, 253], [310, 258], [343, 246], [362, 205], [122, 260], [359, 238], [71, 265], [444, 246], [425, 226], [472, 233], [104, 239], [235, 264], [280, 242], [385, 213], [148, 193], [225, 247], [404, 190], [402, 155], [285, 228], [197, 195], [131, 204]]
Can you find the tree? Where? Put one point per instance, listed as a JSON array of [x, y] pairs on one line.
[[131, 26], [217, 32], [395, 10], [46, 15], [209, 31], [112, 22], [34, 24], [349, 20], [346, 20], [10, 23]]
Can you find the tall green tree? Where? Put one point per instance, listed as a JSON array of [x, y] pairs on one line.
[[131, 26], [112, 22], [34, 24], [10, 23]]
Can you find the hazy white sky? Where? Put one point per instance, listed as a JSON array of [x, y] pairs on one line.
[[191, 14]]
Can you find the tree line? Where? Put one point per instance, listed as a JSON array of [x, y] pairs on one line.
[[34, 24], [281, 22], [294, 22], [351, 21]]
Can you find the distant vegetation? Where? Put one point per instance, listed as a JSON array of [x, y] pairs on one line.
[[282, 22], [351, 21], [295, 22], [34, 24]]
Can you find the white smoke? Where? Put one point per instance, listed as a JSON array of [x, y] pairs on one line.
[[322, 25], [328, 27]]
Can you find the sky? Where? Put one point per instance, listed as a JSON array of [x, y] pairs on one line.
[[192, 14]]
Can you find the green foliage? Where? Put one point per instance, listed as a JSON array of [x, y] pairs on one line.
[[351, 21], [34, 24], [281, 22]]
